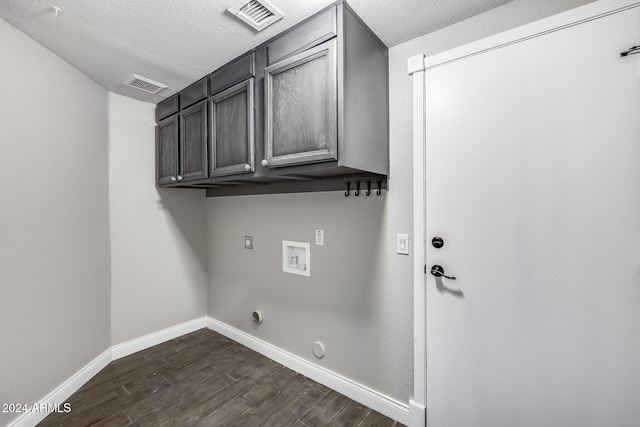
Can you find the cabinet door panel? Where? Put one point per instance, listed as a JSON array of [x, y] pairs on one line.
[[193, 142], [301, 109], [167, 150], [232, 137]]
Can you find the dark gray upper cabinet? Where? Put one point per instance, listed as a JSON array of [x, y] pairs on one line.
[[232, 135], [167, 107], [194, 93], [193, 142], [181, 137], [310, 104], [314, 30], [232, 73], [167, 150], [231, 119], [325, 85], [301, 108]]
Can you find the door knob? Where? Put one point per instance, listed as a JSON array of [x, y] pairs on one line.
[[438, 271]]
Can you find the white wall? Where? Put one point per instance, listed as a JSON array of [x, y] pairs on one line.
[[158, 237], [54, 225]]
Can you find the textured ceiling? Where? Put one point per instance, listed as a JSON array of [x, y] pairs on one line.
[[177, 42]]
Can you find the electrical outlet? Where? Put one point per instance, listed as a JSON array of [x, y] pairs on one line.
[[320, 237], [248, 242]]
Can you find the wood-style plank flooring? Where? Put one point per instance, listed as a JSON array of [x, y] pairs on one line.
[[206, 379]]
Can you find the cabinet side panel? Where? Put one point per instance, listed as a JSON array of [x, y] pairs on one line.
[[365, 99]]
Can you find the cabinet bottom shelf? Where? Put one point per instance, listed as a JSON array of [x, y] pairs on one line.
[[373, 183]]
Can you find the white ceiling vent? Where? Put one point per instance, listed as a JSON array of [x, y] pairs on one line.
[[144, 84], [258, 14]]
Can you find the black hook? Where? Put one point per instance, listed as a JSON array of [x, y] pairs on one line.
[[357, 193], [346, 194], [631, 51], [379, 192], [368, 193]]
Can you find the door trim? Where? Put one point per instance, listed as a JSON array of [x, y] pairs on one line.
[[417, 68]]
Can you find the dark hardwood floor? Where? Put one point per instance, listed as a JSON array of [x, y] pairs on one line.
[[206, 379]]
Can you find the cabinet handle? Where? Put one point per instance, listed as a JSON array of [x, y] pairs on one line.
[[247, 167], [264, 162], [180, 178]]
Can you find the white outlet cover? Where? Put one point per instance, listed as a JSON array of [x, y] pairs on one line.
[[320, 237]]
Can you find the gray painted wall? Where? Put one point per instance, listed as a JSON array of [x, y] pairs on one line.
[[158, 239], [358, 300], [54, 224]]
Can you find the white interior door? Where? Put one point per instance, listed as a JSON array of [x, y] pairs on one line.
[[533, 182]]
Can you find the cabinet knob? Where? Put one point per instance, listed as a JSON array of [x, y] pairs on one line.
[[264, 162], [247, 167], [180, 178], [173, 179]]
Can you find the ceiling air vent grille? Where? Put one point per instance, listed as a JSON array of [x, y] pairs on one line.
[[258, 14], [144, 84]]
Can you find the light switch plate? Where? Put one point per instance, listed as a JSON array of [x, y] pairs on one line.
[[403, 244], [248, 242]]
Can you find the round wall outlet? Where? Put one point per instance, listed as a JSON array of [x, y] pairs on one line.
[[318, 349]]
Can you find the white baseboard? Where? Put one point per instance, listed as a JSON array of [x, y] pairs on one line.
[[155, 338], [64, 390], [353, 390], [73, 384]]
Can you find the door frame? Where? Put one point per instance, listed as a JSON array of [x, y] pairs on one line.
[[417, 68]]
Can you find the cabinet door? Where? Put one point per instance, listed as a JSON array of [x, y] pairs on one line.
[[167, 150], [301, 108], [193, 142], [232, 121]]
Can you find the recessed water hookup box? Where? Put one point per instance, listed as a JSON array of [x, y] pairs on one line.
[[296, 258]]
